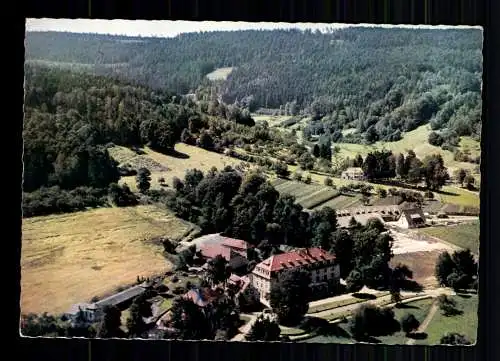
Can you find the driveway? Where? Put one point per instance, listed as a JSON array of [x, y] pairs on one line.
[[246, 327]]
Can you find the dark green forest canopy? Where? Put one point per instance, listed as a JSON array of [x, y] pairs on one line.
[[380, 81], [70, 117]]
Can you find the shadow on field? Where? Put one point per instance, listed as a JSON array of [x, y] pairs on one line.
[[369, 339], [364, 296], [176, 154], [412, 286], [334, 330], [406, 306], [417, 335]]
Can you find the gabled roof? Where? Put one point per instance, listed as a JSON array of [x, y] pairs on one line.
[[413, 216], [294, 259], [121, 297], [236, 243]]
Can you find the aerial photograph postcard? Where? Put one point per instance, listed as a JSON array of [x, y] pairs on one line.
[[231, 181]]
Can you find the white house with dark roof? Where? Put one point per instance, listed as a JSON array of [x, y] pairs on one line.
[[411, 218], [353, 173]]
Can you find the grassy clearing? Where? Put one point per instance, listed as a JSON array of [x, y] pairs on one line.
[[219, 74], [168, 166], [466, 323], [272, 120], [70, 258], [463, 235], [459, 196], [417, 140]]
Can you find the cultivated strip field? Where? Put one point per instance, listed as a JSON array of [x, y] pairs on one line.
[[70, 258], [169, 166], [307, 195]]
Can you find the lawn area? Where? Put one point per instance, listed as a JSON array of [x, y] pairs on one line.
[[70, 258], [459, 196], [169, 166], [419, 309], [463, 235], [466, 323]]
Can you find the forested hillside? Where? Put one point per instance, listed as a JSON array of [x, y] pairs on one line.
[[380, 81]]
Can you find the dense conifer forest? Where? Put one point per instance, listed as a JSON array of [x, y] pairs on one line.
[[383, 82]]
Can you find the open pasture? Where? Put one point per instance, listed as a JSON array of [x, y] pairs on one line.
[[168, 166], [71, 258]]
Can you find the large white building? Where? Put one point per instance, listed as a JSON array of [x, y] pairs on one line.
[[353, 173], [320, 264]]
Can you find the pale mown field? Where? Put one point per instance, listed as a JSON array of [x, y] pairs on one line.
[[168, 166], [220, 74], [70, 258]]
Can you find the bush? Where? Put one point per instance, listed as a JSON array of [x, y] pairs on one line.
[[435, 139], [307, 179], [121, 196], [454, 338], [179, 290], [45, 201], [328, 182], [409, 323]]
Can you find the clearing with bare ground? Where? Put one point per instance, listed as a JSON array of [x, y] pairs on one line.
[[70, 258], [422, 265], [169, 166]]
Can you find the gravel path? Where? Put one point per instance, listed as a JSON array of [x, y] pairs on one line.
[[427, 321]]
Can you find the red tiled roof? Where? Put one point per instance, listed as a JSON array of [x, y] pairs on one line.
[[213, 250], [295, 259], [236, 243]]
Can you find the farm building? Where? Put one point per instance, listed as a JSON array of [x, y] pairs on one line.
[[353, 173], [411, 218], [92, 312], [233, 250], [319, 263]]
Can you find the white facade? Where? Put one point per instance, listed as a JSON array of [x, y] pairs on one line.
[[353, 174]]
